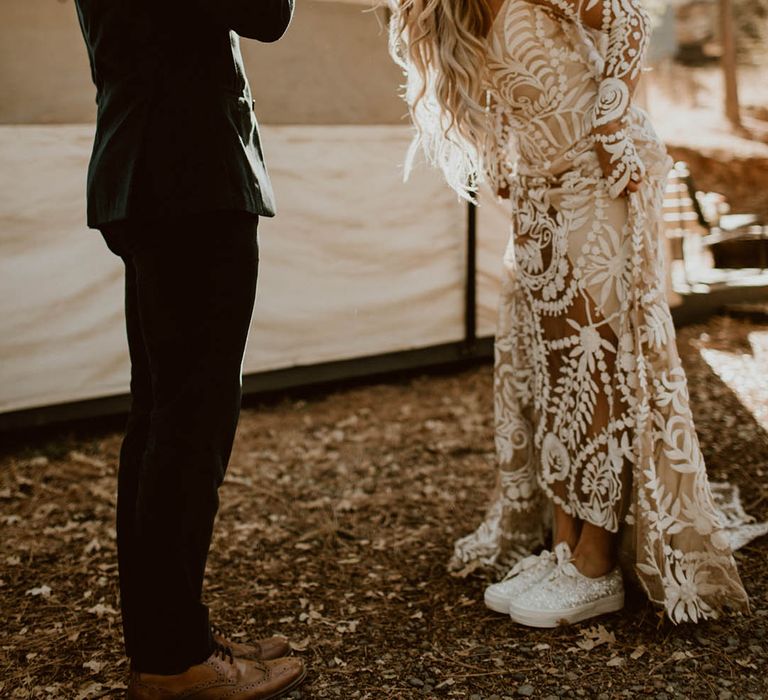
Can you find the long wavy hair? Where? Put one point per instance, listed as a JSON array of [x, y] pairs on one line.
[[440, 44]]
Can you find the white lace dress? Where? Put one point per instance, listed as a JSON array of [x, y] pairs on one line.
[[591, 400]]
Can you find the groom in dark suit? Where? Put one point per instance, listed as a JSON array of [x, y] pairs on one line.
[[176, 185]]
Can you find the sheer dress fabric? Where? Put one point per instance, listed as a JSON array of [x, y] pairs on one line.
[[591, 400]]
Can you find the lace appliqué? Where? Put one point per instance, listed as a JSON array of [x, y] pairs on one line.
[[623, 158], [498, 158]]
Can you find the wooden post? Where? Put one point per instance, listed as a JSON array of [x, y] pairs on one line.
[[732, 111]]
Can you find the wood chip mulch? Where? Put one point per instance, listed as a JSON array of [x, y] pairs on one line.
[[338, 516]]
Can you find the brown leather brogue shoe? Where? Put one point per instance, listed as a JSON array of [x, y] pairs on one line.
[[264, 649], [221, 676]]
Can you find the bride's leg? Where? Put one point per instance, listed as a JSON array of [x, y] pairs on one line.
[[592, 419], [595, 553], [565, 528]]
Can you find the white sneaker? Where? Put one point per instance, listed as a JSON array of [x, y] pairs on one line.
[[568, 596], [522, 576]]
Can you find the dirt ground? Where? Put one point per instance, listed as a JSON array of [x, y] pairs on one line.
[[337, 519]]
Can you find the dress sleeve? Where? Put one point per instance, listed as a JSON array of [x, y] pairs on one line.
[[627, 28]]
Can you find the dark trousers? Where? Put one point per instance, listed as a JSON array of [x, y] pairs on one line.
[[189, 292]]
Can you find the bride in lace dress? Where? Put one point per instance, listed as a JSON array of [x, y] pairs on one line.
[[594, 433]]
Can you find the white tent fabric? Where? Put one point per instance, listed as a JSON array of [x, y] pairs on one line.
[[355, 264]]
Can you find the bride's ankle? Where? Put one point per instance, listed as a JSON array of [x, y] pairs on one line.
[[571, 538], [566, 528], [593, 564]]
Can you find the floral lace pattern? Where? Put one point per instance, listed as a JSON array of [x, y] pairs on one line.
[[591, 400]]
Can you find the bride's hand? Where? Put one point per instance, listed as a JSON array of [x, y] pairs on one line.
[[619, 160]]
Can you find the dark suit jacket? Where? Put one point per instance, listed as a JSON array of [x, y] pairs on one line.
[[175, 132]]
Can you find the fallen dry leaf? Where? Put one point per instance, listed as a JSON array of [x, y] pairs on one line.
[[594, 637], [44, 591]]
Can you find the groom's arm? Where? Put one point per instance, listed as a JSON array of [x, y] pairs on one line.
[[263, 20]]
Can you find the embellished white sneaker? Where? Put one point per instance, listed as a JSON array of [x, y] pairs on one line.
[[568, 596], [522, 576]]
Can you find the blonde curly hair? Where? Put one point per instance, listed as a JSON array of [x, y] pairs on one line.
[[440, 44]]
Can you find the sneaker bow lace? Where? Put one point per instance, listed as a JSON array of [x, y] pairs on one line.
[[529, 563]]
